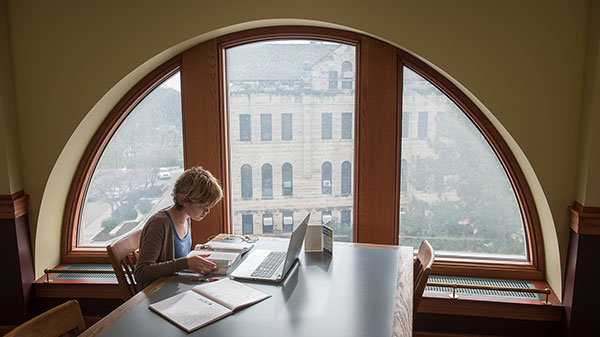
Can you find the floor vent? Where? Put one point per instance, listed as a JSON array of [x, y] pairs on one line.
[[483, 282], [85, 276]]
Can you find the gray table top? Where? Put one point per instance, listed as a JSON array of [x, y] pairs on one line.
[[349, 294]]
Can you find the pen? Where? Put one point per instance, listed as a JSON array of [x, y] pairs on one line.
[[212, 279]]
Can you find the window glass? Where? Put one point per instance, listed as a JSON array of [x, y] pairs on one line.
[[346, 125], [326, 125], [267, 181], [333, 79], [291, 79], [347, 75], [287, 175], [246, 176], [326, 178], [265, 127], [247, 224], [137, 169], [286, 126], [245, 127], [346, 178], [454, 191]]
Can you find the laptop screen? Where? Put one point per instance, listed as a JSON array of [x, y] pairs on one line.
[[295, 245]]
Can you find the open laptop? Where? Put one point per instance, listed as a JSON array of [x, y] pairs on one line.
[[272, 265]]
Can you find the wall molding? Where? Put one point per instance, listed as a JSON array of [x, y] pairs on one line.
[[584, 219], [14, 206]]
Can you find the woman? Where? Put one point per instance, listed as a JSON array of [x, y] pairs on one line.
[[166, 238]]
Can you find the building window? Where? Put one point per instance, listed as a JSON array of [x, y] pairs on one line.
[[405, 121], [325, 216], [346, 178], [247, 224], [246, 175], [333, 80], [286, 126], [287, 188], [347, 75], [265, 127], [346, 125], [422, 126], [267, 223], [345, 217], [245, 128], [326, 125], [326, 178], [267, 181], [288, 221]]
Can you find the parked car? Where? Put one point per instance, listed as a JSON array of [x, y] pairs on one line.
[[163, 173]]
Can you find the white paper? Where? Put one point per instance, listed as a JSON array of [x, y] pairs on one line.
[[231, 294], [190, 310]]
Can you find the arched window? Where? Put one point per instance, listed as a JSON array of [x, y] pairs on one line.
[[246, 175], [346, 178], [347, 75], [326, 178], [137, 168], [267, 181], [455, 174], [287, 187], [458, 158]]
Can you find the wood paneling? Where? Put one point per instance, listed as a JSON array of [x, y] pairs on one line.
[[15, 249], [202, 126], [584, 220], [376, 205], [14, 206]]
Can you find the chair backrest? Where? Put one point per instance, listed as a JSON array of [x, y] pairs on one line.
[[123, 255], [421, 271], [65, 319]]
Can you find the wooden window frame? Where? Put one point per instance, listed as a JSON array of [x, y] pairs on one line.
[[376, 200]]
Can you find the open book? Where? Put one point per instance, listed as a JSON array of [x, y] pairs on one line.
[[207, 303], [223, 260], [220, 246]]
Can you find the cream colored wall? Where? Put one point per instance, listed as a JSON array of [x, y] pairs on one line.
[[522, 60], [11, 180], [588, 187]]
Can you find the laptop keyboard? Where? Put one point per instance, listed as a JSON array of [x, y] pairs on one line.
[[268, 266]]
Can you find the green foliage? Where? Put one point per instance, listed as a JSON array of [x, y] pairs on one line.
[[144, 206], [109, 223]]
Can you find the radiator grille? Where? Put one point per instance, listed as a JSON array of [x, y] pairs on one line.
[[86, 276], [483, 282]]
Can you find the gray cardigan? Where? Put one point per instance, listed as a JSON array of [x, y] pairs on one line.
[[156, 257]]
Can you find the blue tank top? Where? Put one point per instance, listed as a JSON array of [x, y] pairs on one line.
[[183, 245]]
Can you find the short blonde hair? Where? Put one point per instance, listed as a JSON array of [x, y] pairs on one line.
[[197, 185]]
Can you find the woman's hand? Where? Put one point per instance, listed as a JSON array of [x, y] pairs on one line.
[[199, 264]]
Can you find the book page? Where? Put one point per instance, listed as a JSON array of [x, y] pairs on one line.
[[216, 255], [231, 294], [239, 247], [190, 310]]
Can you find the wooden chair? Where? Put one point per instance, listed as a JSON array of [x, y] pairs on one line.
[[421, 271], [63, 320], [123, 255]]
